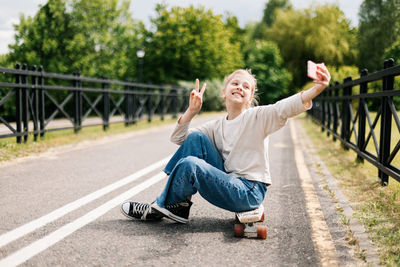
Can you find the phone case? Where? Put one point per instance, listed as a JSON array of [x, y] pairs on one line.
[[311, 70]]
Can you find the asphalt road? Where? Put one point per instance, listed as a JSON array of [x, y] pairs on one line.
[[95, 233]]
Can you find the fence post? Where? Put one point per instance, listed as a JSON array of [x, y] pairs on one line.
[[25, 103], [18, 104], [35, 106], [134, 106], [174, 103], [106, 105], [323, 113], [139, 99], [162, 103], [149, 106], [329, 113], [362, 116], [127, 105], [386, 124], [335, 110], [346, 114], [185, 99], [41, 103], [80, 100], [77, 103]]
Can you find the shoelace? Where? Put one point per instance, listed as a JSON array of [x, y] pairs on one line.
[[142, 208]]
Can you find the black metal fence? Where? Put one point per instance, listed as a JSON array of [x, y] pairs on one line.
[[34, 98], [343, 107]]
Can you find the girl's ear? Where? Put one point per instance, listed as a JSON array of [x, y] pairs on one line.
[[223, 93]]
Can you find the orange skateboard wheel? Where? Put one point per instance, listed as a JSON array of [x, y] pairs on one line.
[[238, 230], [262, 232]]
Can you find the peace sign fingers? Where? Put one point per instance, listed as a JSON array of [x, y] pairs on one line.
[[197, 85], [203, 89], [196, 97]]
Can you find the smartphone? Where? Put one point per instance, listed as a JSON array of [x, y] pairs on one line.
[[312, 70]]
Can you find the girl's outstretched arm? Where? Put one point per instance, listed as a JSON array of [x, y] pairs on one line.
[[195, 103], [322, 81]]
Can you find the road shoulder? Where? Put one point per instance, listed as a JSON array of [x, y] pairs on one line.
[[349, 236]]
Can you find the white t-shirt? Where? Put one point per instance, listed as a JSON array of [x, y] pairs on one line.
[[241, 140], [230, 134]]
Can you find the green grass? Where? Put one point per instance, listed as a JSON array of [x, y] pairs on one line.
[[377, 207], [10, 150]]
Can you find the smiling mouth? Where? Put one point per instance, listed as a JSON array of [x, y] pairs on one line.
[[237, 93]]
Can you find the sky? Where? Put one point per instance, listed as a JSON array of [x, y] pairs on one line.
[[245, 10]]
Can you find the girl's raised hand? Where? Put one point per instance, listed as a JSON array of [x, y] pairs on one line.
[[323, 76], [196, 98]]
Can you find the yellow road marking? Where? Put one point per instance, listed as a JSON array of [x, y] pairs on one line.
[[320, 233]]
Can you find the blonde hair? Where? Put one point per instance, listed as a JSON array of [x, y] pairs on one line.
[[253, 86]]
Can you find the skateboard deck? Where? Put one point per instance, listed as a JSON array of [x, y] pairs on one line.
[[247, 224]]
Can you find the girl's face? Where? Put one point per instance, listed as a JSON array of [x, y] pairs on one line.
[[238, 90]]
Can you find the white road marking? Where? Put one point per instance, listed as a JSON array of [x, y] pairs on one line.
[[40, 245], [54, 215], [321, 236]]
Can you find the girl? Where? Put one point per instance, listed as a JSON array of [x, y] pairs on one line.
[[225, 160]]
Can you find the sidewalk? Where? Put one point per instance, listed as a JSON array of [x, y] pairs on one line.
[[61, 123]]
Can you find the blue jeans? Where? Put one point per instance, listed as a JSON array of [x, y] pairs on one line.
[[198, 167]]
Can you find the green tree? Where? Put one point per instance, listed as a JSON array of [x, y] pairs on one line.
[[321, 34], [43, 39], [379, 28], [8, 107], [189, 43], [97, 37], [272, 78], [106, 38], [4, 62], [271, 7], [269, 16], [342, 72], [238, 35], [393, 52]]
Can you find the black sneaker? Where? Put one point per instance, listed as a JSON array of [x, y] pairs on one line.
[[141, 211], [178, 212]]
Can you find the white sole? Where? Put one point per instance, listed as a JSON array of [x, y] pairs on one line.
[[169, 214]]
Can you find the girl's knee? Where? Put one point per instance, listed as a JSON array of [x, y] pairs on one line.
[[192, 165], [189, 162], [195, 136]]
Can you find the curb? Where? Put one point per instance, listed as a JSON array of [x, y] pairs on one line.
[[356, 227]]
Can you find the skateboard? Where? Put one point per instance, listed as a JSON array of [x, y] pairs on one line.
[[246, 224]]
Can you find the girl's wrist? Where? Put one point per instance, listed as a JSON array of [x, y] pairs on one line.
[[186, 117], [319, 88], [191, 112]]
